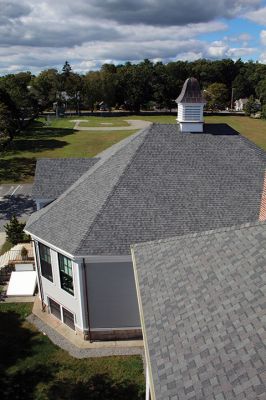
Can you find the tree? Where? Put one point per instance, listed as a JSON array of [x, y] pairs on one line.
[[18, 86], [9, 115], [263, 112], [7, 126], [251, 106], [66, 70], [217, 96], [46, 86], [92, 89], [261, 91], [14, 230], [242, 87]]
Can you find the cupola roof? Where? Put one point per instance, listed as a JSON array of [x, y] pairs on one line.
[[191, 92]]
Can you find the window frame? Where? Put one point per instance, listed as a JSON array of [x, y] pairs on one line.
[[65, 267], [45, 261]]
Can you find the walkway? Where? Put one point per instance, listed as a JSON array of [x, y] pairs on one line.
[[133, 124], [64, 337]]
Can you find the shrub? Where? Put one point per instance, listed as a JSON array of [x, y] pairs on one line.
[[14, 231], [263, 111]]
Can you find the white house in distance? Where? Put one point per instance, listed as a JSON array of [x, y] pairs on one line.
[[190, 104], [240, 104], [153, 185]]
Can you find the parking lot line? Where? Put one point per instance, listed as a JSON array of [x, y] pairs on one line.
[[14, 191]]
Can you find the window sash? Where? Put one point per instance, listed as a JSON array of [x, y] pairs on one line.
[[66, 274], [45, 262]]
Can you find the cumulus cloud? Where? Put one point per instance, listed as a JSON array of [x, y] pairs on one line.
[[168, 12], [258, 16], [263, 37], [38, 35], [11, 9]]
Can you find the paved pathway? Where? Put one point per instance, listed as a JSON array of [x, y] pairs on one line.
[[133, 124], [94, 351]]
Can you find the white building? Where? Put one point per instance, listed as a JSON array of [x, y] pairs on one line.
[[240, 104], [153, 185], [190, 107]]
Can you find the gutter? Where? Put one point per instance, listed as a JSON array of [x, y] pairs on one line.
[[86, 301], [38, 273]]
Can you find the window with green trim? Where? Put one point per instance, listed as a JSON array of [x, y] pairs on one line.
[[66, 275], [45, 261]]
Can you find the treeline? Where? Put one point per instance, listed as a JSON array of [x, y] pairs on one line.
[[129, 86]]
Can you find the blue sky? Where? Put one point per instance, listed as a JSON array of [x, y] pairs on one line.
[[36, 35]]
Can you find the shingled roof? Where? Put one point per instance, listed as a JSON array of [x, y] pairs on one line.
[[203, 301], [156, 184], [191, 92], [53, 176]]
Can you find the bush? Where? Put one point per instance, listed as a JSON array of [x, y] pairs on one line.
[[263, 112], [14, 231]]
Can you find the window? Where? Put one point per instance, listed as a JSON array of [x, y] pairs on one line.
[[68, 318], [55, 308], [45, 260], [66, 276]]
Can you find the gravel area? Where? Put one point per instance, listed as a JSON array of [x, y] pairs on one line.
[[76, 352]]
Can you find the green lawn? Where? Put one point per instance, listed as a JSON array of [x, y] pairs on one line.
[[57, 138], [100, 122], [5, 247], [33, 368]]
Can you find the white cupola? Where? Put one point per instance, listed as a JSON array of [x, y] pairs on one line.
[[190, 104]]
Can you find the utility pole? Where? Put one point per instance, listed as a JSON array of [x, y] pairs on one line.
[[232, 98]]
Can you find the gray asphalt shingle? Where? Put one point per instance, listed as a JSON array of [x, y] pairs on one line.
[[54, 175], [203, 298], [154, 185]]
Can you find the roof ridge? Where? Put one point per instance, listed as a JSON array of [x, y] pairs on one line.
[[102, 160], [113, 190], [201, 234]]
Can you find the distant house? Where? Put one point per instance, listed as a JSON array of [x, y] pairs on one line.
[[240, 104]]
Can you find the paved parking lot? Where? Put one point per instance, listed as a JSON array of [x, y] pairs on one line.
[[15, 199]]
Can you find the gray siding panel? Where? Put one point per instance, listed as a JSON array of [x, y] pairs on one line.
[[112, 295]]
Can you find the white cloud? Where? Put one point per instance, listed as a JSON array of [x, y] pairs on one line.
[[262, 58], [263, 37], [35, 35], [258, 16]]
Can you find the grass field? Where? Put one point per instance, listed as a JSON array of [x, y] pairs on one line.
[[57, 138], [33, 368], [100, 122]]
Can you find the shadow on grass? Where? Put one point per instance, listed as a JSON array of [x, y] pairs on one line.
[[17, 344], [219, 129], [31, 368], [14, 339], [17, 169], [38, 129], [18, 205], [98, 387], [32, 145]]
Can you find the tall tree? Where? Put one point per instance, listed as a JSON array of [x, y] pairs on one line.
[[217, 96], [261, 91], [46, 86]]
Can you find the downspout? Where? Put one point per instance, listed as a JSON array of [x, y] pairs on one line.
[[38, 273], [87, 300]]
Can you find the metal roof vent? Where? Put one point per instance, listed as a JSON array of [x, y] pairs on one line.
[[190, 107]]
